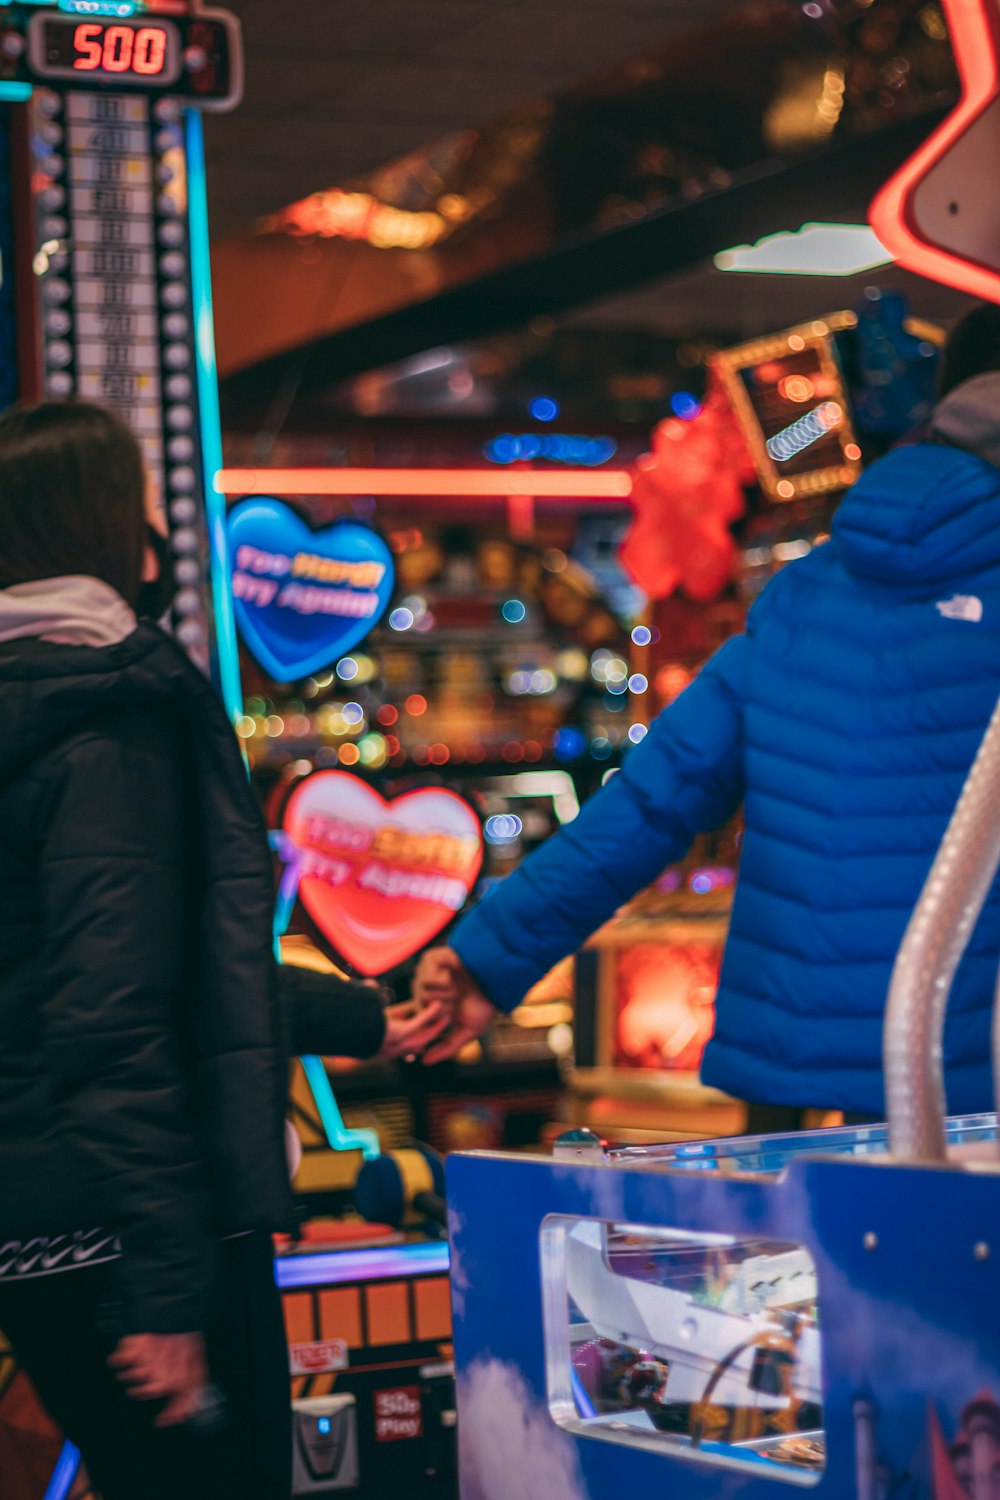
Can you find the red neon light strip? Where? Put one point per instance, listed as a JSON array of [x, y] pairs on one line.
[[570, 484], [974, 27]]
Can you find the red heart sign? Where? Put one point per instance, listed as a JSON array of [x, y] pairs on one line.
[[380, 879]]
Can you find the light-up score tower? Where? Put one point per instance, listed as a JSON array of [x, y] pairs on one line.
[[105, 290]]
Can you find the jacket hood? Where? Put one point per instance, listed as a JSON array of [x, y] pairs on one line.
[[969, 417], [46, 689], [71, 610], [921, 515]]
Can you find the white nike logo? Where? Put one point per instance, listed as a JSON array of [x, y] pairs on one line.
[[83, 1253], [961, 607], [37, 1257]]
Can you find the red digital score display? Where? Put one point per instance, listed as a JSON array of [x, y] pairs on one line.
[[119, 51]]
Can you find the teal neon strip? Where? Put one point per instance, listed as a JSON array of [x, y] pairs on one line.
[[227, 651], [337, 1133], [15, 93]]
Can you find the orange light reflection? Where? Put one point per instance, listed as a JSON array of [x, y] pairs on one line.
[[569, 484]]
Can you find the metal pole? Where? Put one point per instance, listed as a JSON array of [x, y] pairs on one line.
[[939, 930]]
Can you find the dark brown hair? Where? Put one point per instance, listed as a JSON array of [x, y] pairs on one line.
[[973, 347], [71, 496]]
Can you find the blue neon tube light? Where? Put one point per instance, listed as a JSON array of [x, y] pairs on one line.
[[227, 651], [330, 1268], [63, 1474]]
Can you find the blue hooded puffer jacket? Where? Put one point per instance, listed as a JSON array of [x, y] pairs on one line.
[[846, 720]]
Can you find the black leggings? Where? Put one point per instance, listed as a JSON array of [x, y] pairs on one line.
[[53, 1323]]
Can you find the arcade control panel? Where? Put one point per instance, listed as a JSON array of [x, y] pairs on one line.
[[372, 1378]]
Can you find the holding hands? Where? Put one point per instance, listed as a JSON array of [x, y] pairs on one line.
[[443, 983], [411, 1027]]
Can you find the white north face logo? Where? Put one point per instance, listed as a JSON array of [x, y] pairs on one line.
[[961, 607]]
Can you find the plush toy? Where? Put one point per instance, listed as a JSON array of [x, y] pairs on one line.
[[686, 493]]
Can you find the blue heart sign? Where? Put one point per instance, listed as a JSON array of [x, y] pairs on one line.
[[302, 597]]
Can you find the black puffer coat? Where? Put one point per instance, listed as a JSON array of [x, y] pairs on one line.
[[142, 1056]]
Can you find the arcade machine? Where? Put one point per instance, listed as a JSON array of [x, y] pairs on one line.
[[741, 1316], [105, 294], [105, 248]]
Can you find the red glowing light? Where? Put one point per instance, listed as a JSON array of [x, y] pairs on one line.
[[512, 751], [119, 49], [665, 1001], [387, 714], [568, 484], [974, 29], [439, 755], [532, 750], [415, 705]]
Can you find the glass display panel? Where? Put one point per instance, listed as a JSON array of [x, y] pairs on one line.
[[669, 1340], [969, 1138]]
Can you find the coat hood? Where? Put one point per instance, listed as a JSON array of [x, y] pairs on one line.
[[969, 417], [71, 610], [921, 515]]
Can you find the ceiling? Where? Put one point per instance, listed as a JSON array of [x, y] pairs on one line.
[[335, 88], [707, 302]]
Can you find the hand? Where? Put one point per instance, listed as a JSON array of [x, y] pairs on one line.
[[442, 978], [169, 1367], [411, 1027]]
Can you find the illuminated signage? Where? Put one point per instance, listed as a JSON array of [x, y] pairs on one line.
[[380, 879], [769, 381], [123, 51], [112, 50], [559, 447], [302, 597], [936, 213], [98, 42]]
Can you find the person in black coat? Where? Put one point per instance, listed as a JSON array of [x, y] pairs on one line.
[[145, 1027]]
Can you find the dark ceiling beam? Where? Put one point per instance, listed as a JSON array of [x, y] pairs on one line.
[[833, 184]]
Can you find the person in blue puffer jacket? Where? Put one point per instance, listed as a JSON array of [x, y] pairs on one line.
[[845, 720]]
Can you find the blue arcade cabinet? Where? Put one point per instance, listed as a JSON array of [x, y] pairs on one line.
[[751, 1317]]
